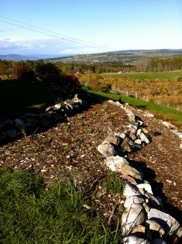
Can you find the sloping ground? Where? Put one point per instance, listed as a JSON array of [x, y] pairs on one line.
[[70, 149]]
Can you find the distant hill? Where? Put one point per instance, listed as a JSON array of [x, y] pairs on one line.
[[127, 57], [17, 57]]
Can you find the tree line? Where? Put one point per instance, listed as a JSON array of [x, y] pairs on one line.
[[53, 72]]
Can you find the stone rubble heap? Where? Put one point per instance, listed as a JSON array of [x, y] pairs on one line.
[[144, 219], [11, 129]]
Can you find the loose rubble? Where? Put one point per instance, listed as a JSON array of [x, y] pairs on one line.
[[33, 122], [144, 219]]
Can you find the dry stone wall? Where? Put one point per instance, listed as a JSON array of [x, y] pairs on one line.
[[144, 219]]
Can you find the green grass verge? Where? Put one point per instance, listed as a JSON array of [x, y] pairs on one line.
[[164, 112], [18, 97], [29, 213], [169, 75]]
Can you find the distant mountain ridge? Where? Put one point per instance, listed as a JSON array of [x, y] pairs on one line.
[[124, 56], [18, 57]]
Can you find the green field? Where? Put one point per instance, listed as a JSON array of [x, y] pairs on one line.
[[169, 75]]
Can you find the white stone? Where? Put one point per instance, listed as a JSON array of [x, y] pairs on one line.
[[145, 186], [168, 223], [120, 164], [134, 240], [106, 149], [144, 138], [132, 216], [133, 199], [131, 190]]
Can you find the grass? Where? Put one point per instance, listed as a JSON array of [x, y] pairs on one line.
[[29, 213], [18, 97], [169, 75], [167, 113]]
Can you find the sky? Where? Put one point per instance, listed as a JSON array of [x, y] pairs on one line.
[[62, 27]]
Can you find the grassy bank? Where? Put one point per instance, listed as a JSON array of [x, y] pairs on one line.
[[31, 213], [166, 113]]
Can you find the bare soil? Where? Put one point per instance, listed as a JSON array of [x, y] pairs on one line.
[[71, 147]]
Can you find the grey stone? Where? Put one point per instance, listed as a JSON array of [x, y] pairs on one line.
[[12, 133], [132, 216], [167, 222], [19, 123]]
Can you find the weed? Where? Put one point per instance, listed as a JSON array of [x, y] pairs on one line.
[[94, 112], [73, 139], [80, 116], [47, 140], [79, 124], [114, 183], [89, 130], [67, 148], [66, 127]]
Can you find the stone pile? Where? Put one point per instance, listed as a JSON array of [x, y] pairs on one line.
[[144, 219], [11, 129]]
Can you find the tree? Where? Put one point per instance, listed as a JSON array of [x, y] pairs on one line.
[[23, 72], [48, 73]]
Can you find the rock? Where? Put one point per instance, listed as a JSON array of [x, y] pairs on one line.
[[140, 229], [106, 149], [125, 144], [167, 222], [113, 139], [133, 200], [19, 123], [153, 226], [12, 133], [138, 141], [145, 131], [159, 241], [132, 136], [153, 201], [144, 138], [132, 216], [120, 164], [145, 186], [131, 190], [134, 240], [129, 179]]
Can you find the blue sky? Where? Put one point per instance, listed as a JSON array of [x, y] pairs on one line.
[[88, 26]]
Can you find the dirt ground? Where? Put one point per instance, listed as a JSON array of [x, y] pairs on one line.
[[71, 147]]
